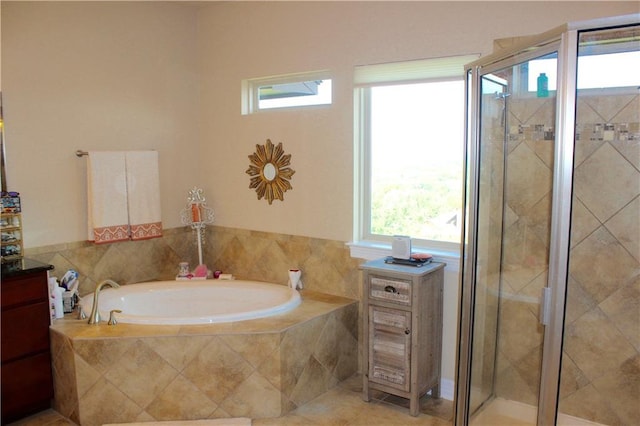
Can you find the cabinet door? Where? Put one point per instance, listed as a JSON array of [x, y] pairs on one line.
[[26, 387], [389, 347]]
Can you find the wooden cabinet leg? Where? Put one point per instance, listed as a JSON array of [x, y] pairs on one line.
[[435, 392], [414, 406], [365, 389]]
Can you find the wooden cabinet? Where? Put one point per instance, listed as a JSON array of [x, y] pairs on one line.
[[26, 376], [402, 315]]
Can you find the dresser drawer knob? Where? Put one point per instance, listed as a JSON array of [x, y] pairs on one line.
[[390, 289], [407, 331]]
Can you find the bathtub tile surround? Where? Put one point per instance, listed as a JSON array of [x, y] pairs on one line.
[[83, 363], [253, 255], [260, 368], [124, 262]]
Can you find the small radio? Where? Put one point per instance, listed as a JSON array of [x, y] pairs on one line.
[[401, 247]]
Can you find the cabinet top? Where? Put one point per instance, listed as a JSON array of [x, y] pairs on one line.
[[22, 267], [380, 265]]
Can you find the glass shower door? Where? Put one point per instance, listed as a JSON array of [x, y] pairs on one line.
[[515, 178], [600, 375]]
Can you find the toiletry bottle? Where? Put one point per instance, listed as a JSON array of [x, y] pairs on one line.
[[543, 86], [57, 300], [53, 283]]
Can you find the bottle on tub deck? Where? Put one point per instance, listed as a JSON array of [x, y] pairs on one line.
[[183, 269], [55, 292], [294, 279]]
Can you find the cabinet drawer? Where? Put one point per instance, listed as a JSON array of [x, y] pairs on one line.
[[25, 289], [25, 330], [390, 290], [390, 318]]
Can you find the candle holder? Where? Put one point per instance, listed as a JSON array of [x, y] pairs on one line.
[[197, 215]]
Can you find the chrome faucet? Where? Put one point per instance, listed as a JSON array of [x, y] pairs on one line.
[[94, 318]]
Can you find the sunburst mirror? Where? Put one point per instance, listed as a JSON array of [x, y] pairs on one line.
[[269, 172]]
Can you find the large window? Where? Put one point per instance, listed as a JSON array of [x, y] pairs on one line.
[[410, 121]]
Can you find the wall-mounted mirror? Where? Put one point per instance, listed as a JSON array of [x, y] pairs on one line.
[[269, 172]]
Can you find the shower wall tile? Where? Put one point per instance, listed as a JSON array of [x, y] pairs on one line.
[[588, 403], [625, 227], [583, 222], [598, 176], [602, 337], [618, 108], [628, 143], [601, 265], [573, 378], [520, 331], [529, 179], [620, 390], [596, 346], [579, 301], [623, 308]]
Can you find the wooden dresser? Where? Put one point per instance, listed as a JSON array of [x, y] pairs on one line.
[[402, 324], [27, 385]]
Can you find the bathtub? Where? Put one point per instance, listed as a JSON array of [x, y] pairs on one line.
[[256, 368], [193, 302]]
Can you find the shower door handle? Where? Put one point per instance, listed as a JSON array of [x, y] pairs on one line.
[[545, 306]]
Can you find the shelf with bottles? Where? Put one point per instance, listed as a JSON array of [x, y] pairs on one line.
[[11, 247]]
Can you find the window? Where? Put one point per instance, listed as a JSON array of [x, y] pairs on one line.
[[294, 90], [409, 145], [603, 70]]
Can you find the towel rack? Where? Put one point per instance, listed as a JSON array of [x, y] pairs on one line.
[[81, 153]]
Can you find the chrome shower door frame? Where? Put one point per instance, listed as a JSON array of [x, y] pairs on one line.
[[563, 40]]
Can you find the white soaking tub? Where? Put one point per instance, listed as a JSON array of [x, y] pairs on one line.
[[193, 302]]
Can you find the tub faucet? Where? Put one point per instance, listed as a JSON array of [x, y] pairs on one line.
[[94, 318]]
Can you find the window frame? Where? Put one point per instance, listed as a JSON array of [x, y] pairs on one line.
[[250, 89], [365, 244]]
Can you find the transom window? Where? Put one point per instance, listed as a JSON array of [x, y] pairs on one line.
[[286, 91]]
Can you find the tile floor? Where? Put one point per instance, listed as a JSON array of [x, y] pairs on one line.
[[341, 406]]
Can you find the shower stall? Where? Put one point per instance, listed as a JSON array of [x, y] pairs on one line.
[[550, 290]]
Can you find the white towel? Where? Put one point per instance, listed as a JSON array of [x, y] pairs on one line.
[[107, 197], [143, 194]]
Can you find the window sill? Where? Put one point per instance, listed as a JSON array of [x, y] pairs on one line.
[[375, 250]]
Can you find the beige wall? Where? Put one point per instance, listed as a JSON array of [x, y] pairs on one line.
[[95, 76], [263, 39], [166, 76]]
